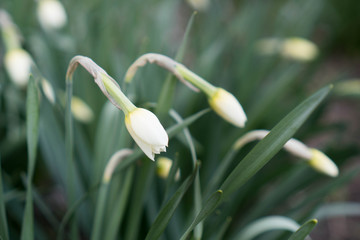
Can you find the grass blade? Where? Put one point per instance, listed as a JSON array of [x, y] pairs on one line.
[[221, 232], [304, 230], [207, 209], [32, 125], [272, 143], [166, 212], [142, 183], [197, 188], [4, 234], [119, 208], [167, 91]]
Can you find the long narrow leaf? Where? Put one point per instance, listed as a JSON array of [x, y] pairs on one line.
[[4, 234], [304, 230], [142, 183], [166, 212], [197, 188], [119, 208], [207, 209], [167, 92], [272, 143], [32, 125]]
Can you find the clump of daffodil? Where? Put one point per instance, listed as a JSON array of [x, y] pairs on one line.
[[315, 158], [220, 100], [294, 48], [17, 61], [51, 14], [163, 167], [144, 127]]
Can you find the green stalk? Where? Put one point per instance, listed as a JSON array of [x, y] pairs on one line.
[[100, 210], [32, 125], [69, 145]]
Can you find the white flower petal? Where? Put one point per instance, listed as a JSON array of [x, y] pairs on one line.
[[147, 127], [228, 107], [145, 147], [322, 163]]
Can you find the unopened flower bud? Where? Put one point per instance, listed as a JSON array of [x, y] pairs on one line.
[[18, 65], [163, 167], [51, 14]]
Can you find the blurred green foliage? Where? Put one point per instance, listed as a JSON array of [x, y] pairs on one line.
[[220, 47]]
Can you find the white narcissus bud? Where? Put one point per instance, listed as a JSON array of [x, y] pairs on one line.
[[295, 48], [147, 131], [18, 65], [163, 167], [299, 49], [200, 5], [82, 112], [228, 107], [315, 158], [51, 14], [322, 163]]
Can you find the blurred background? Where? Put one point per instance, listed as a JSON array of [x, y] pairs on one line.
[[270, 54]]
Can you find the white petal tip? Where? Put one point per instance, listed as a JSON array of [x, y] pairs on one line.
[[322, 163]]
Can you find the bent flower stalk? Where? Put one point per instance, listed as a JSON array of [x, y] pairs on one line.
[[220, 100], [315, 158], [143, 126]]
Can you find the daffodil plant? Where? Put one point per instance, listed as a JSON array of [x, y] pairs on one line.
[[144, 127]]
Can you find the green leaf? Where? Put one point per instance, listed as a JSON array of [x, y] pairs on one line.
[[32, 127], [110, 135], [99, 211], [142, 182], [166, 212], [72, 209], [167, 92], [119, 207], [197, 188], [4, 234], [45, 210], [221, 231], [171, 178], [173, 130], [265, 224], [304, 230], [272, 143], [207, 209]]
